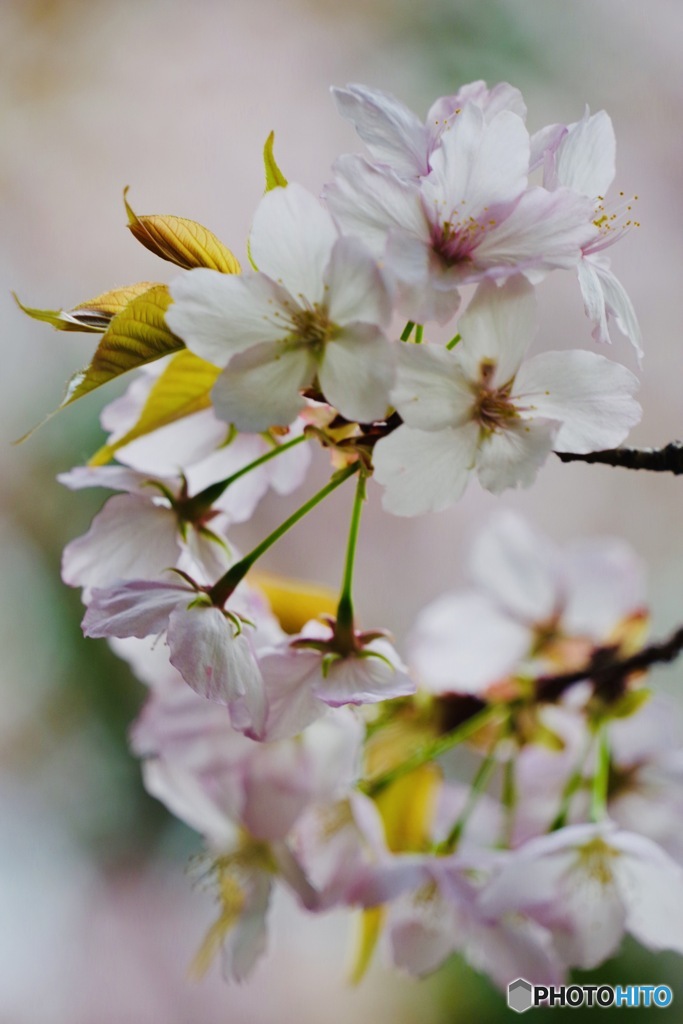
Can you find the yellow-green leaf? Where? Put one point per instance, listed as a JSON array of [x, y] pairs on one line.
[[92, 316], [407, 809], [183, 242], [274, 176], [368, 931], [135, 336], [295, 602], [182, 389]]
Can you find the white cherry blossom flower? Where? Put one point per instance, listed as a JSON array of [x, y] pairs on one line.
[[473, 217], [584, 161], [395, 136], [481, 408], [309, 673], [208, 646], [313, 315], [590, 884], [533, 607]]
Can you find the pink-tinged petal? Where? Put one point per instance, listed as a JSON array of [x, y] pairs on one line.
[[357, 289], [277, 789], [291, 241], [114, 478], [217, 664], [545, 231], [498, 326], [427, 288], [652, 887], [618, 304], [519, 568], [420, 944], [129, 538], [135, 608], [370, 201], [218, 315], [491, 102], [592, 397], [334, 747], [512, 456], [461, 643], [358, 371], [365, 680], [514, 947], [478, 166], [187, 797], [585, 160], [393, 133], [424, 471], [543, 145], [288, 676], [260, 388], [431, 391]]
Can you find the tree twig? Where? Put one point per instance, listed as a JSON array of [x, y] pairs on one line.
[[659, 460]]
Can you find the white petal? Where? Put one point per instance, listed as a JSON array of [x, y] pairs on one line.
[[585, 160], [491, 101], [218, 315], [357, 289], [605, 583], [593, 300], [291, 240], [424, 472], [357, 372], [428, 289], [463, 642], [652, 887], [618, 305], [260, 388], [478, 166], [591, 396], [247, 942], [499, 325], [216, 663], [393, 133], [431, 390], [370, 201], [511, 457], [130, 538], [518, 567], [546, 230]]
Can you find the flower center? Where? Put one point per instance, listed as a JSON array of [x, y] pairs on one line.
[[493, 407], [311, 327], [456, 239], [612, 219]]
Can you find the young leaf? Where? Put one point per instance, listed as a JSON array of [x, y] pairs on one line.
[[135, 336], [274, 176], [183, 388], [92, 316], [181, 241]]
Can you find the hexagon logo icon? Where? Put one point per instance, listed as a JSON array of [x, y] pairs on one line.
[[520, 995]]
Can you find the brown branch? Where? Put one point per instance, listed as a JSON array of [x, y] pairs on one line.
[[659, 460], [607, 672]]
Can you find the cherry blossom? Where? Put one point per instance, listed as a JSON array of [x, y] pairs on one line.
[[584, 161], [474, 217], [481, 408], [314, 313]]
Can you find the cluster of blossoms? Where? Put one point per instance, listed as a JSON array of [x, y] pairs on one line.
[[307, 751]]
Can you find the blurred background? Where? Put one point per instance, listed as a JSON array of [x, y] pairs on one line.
[[98, 919]]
